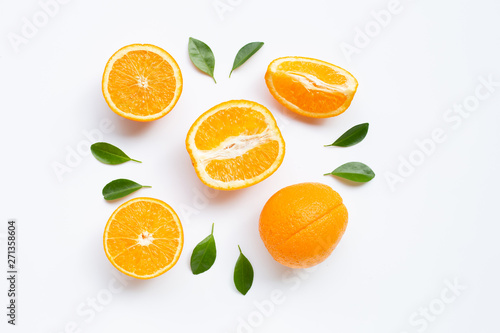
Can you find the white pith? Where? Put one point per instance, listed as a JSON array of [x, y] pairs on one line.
[[312, 83], [145, 238], [142, 81], [234, 147]]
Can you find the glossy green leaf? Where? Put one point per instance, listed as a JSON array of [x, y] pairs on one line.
[[202, 56], [355, 171], [243, 274], [109, 154], [119, 188], [245, 53], [204, 254], [353, 136]]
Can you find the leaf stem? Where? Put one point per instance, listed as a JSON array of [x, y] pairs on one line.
[[135, 160], [327, 174], [146, 186], [213, 77], [212, 229], [240, 249]]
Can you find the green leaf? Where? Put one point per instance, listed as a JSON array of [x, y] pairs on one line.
[[243, 274], [204, 254], [245, 53], [109, 154], [119, 188], [353, 136], [202, 56], [355, 171]]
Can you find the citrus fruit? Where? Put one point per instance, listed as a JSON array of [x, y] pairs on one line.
[[310, 87], [235, 144], [141, 82], [302, 224], [143, 238]]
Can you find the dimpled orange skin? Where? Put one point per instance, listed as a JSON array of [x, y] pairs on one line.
[[302, 224]]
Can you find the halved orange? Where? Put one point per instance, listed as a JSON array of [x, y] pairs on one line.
[[141, 82], [143, 238], [235, 144], [310, 87]]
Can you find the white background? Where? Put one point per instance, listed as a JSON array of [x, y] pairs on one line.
[[401, 244]]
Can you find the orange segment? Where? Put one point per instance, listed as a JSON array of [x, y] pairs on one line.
[[141, 82], [249, 165], [143, 238], [243, 121], [235, 144], [310, 87]]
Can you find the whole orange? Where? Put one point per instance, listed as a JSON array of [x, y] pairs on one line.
[[302, 224]]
